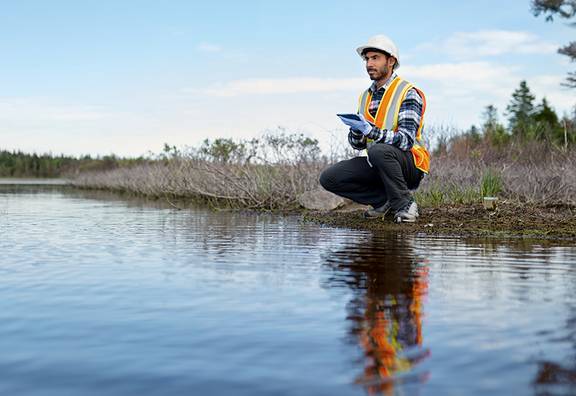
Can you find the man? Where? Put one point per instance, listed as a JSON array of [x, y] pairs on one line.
[[389, 125]]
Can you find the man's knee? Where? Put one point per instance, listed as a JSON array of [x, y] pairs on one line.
[[327, 179]]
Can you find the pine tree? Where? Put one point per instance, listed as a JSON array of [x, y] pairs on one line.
[[520, 111], [547, 123], [545, 114], [490, 117], [493, 131]]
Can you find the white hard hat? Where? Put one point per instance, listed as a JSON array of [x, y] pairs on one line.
[[382, 43]]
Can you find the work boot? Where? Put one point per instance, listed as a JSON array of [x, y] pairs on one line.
[[408, 214], [381, 211]]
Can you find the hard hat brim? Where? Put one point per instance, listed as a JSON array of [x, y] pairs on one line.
[[362, 48]]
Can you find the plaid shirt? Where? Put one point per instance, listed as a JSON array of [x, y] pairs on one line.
[[408, 121]]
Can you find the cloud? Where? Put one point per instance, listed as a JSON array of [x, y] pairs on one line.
[[456, 92], [549, 86], [208, 47], [486, 43], [271, 86], [455, 78], [459, 79]]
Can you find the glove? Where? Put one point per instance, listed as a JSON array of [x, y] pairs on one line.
[[357, 122]]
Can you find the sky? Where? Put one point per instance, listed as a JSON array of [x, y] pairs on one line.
[[127, 76]]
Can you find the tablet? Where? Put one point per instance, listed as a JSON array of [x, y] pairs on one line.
[[350, 116]]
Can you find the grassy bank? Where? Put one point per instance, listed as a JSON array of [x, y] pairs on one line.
[[521, 172], [535, 183], [271, 173]]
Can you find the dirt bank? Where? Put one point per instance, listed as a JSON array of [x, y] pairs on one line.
[[509, 219]]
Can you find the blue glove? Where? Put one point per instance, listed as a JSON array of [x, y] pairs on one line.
[[356, 122]]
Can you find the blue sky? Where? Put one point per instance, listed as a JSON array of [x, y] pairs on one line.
[[126, 76]]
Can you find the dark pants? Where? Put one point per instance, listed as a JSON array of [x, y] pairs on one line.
[[390, 178]]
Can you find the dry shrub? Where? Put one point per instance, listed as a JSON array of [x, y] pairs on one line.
[[258, 186], [272, 172], [266, 173]]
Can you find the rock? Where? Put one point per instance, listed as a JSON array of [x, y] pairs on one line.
[[320, 199], [351, 206]]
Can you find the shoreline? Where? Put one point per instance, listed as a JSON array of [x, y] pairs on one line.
[[31, 181], [509, 219]]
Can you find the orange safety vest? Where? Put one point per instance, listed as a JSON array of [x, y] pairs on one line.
[[387, 117]]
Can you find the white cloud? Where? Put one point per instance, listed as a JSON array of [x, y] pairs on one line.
[[456, 79], [464, 79], [560, 98], [271, 86], [208, 47], [483, 43], [457, 92]]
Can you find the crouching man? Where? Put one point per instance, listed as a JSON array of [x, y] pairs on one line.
[[388, 127]]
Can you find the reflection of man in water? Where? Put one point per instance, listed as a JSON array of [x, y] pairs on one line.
[[387, 311]]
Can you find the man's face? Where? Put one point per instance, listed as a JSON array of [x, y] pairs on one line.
[[378, 64]]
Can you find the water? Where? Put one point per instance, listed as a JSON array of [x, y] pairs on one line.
[[103, 296]]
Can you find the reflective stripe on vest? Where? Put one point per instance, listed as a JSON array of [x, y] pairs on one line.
[[387, 116]]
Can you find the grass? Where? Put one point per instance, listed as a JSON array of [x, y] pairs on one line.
[[491, 183]]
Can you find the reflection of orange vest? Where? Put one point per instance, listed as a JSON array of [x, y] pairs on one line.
[[387, 116]]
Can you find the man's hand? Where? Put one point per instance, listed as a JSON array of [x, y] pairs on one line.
[[360, 125]]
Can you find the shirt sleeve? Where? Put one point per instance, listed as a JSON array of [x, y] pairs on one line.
[[356, 139], [409, 118]]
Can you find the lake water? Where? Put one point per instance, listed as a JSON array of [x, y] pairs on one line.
[[104, 296]]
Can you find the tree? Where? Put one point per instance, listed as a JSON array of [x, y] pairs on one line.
[[520, 110], [566, 9], [545, 114], [223, 150], [547, 122], [493, 131]]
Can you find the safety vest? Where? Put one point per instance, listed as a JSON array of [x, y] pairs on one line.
[[387, 117]]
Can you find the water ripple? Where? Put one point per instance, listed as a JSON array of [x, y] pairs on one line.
[[101, 295]]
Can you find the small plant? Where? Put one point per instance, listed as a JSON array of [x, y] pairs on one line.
[[463, 195], [433, 197], [491, 184]]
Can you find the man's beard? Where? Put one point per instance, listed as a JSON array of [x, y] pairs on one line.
[[380, 73]]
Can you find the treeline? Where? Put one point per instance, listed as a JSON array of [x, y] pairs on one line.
[[20, 164], [528, 123]]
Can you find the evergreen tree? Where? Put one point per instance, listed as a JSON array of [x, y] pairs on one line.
[[547, 122], [493, 131], [520, 111], [490, 117], [545, 114], [473, 134]]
